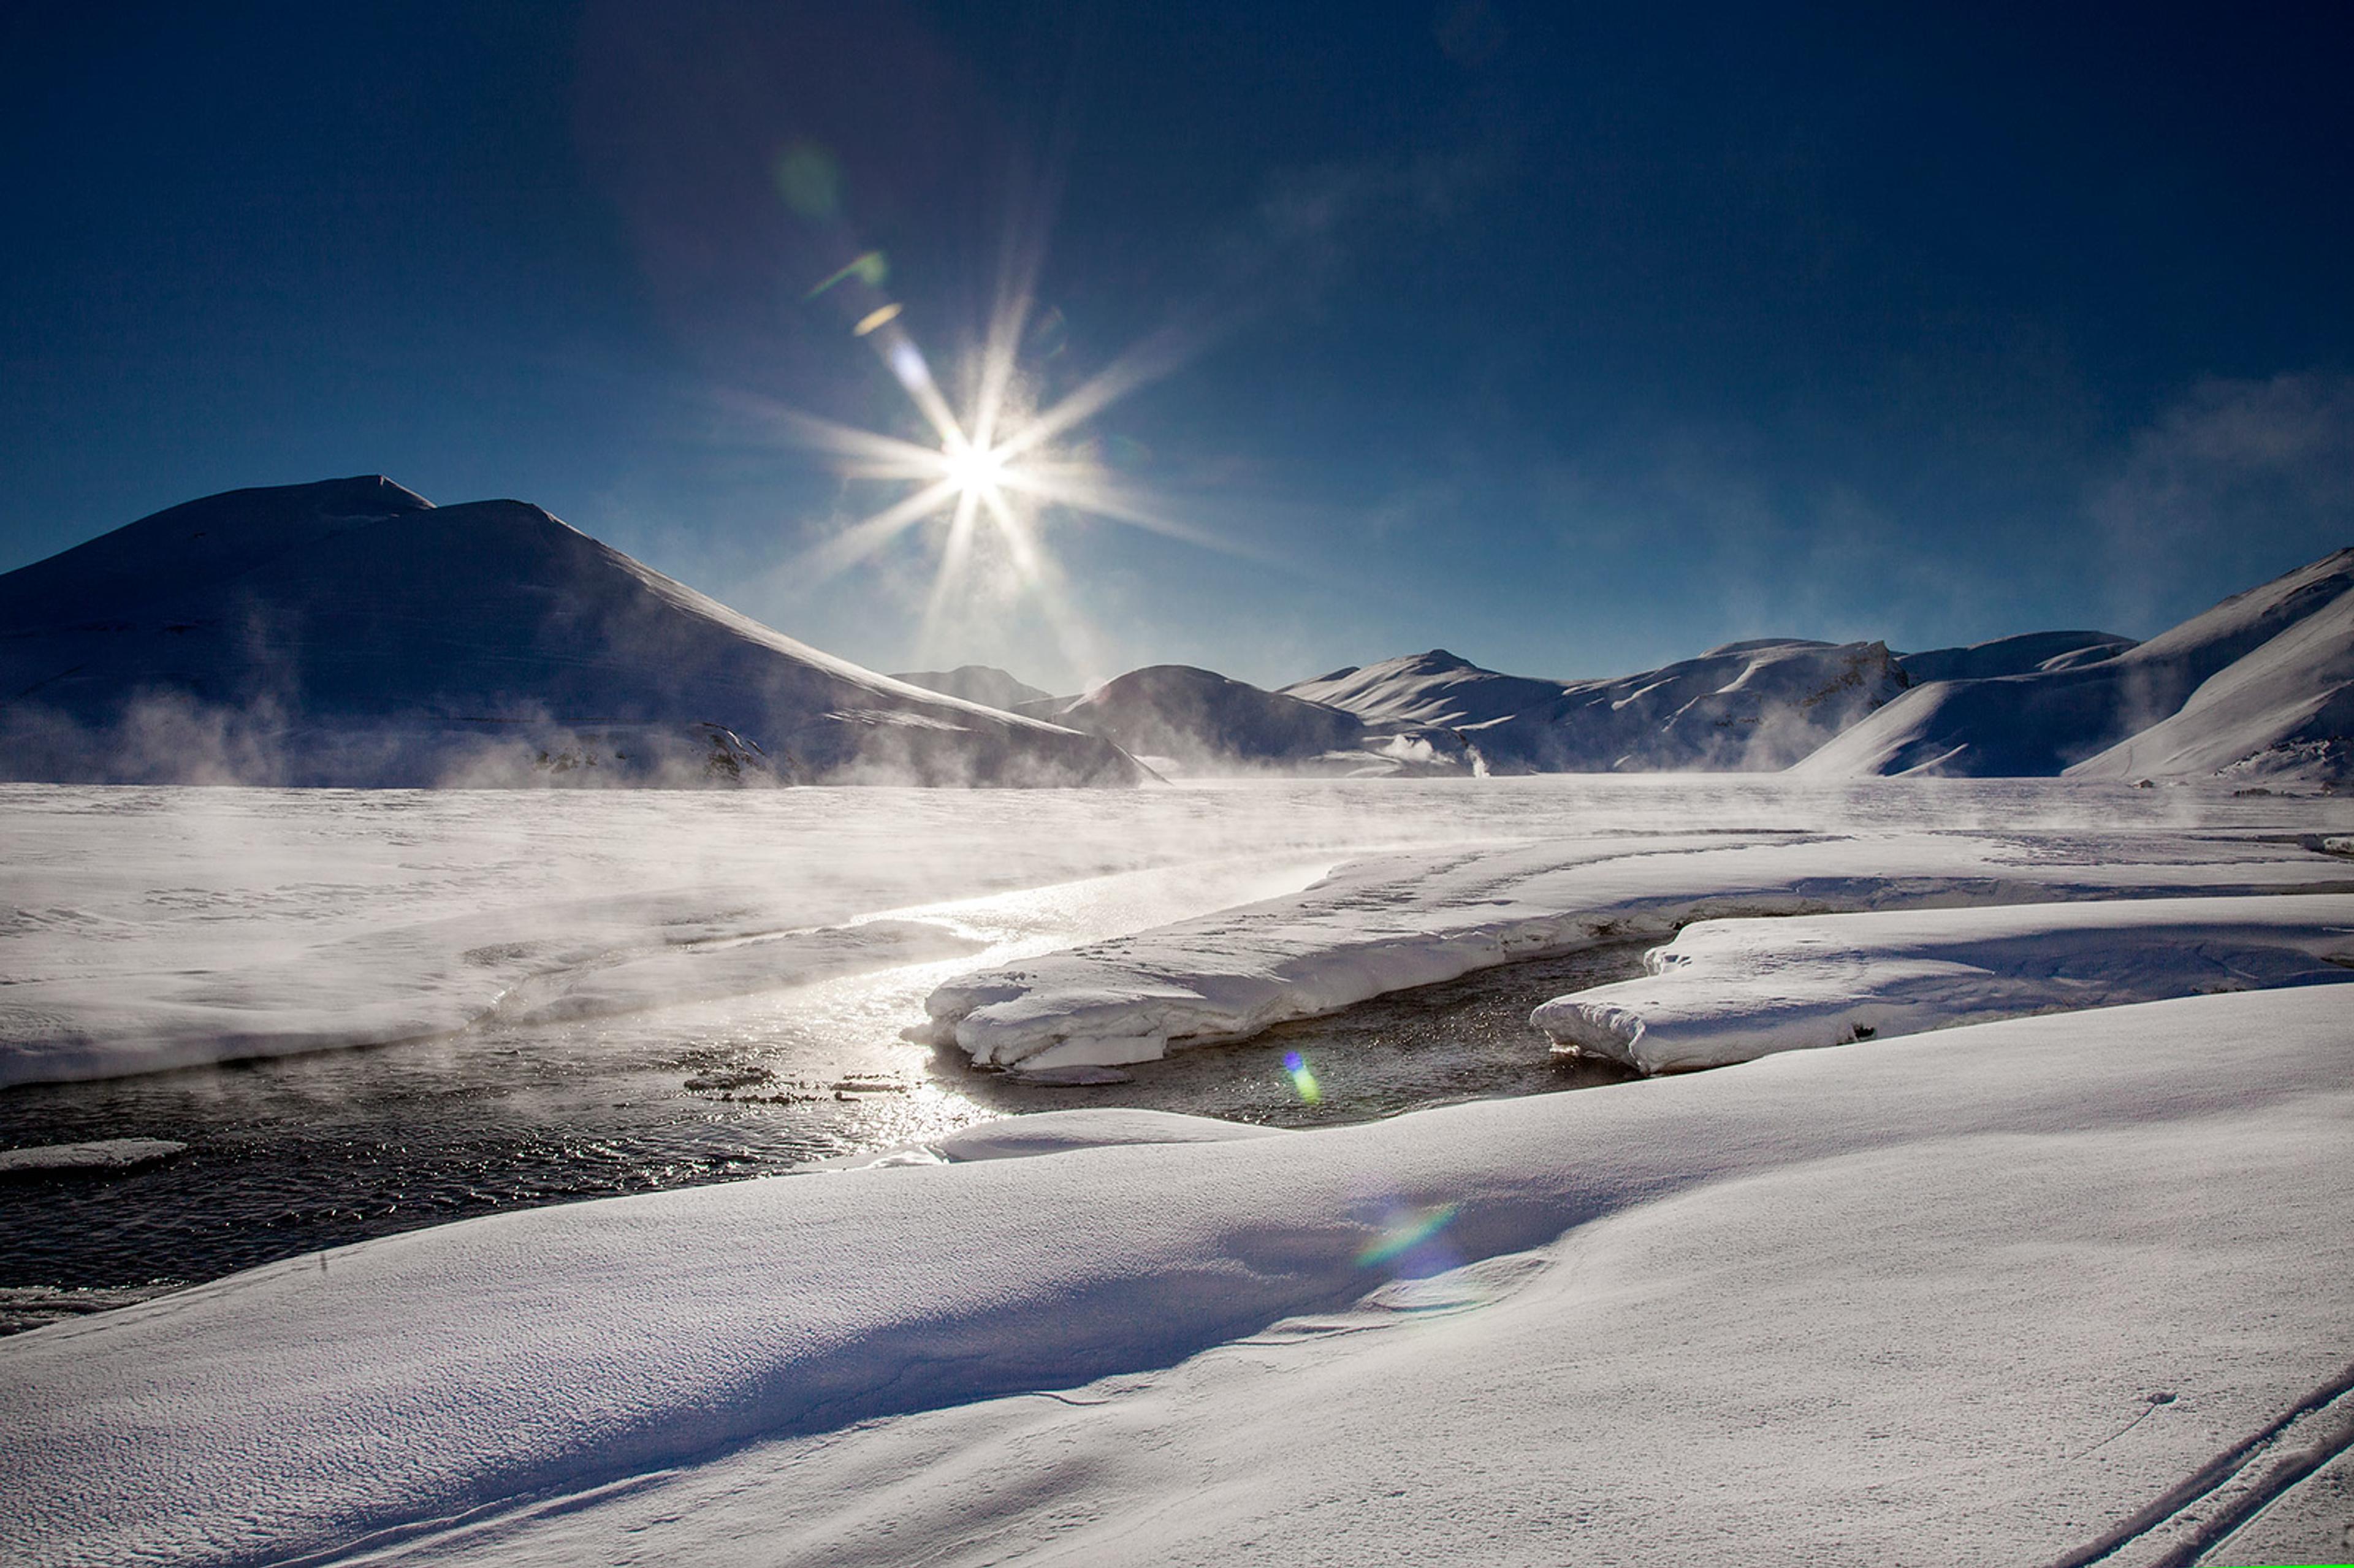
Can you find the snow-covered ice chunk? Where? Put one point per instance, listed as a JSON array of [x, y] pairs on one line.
[[1394, 922], [1729, 990], [99, 1154]]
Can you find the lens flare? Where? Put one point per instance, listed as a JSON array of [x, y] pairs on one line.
[[996, 467], [1405, 1234], [1303, 1079]]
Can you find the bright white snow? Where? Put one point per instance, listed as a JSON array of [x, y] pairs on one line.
[[1900, 1301], [1992, 1294], [1729, 990]]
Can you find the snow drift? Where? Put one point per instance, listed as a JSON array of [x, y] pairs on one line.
[[350, 632]]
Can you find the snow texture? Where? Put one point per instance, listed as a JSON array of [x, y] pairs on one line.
[[1394, 922], [2256, 684], [1730, 990], [350, 632], [1990, 1296]]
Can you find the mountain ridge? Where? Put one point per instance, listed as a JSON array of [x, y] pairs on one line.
[[485, 642]]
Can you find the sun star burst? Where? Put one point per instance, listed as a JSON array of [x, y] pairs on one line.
[[999, 464]]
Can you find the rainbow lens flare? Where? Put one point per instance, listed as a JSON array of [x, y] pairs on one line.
[[1404, 1234], [1301, 1078]]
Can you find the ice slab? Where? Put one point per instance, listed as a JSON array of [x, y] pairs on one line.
[[1728, 991], [99, 1154], [1394, 922]]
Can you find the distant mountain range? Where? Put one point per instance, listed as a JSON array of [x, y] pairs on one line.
[[2259, 688], [351, 632]]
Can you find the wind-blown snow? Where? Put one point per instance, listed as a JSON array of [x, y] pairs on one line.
[[2285, 711], [1730, 990], [1394, 922], [1999, 1290], [1833, 1307]]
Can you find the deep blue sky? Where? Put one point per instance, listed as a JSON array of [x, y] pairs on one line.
[[1573, 339]]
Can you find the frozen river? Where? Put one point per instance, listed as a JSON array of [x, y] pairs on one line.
[[557, 996]]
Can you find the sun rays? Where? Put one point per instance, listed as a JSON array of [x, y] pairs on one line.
[[996, 469]]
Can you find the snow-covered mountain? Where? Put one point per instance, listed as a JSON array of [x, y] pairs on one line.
[[2021, 655], [351, 632], [2257, 686], [1201, 722], [1433, 689], [983, 683], [1747, 707]]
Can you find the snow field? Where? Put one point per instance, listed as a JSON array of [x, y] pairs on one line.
[[1901, 1301]]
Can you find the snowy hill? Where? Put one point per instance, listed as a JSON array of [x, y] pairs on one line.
[[2256, 685], [351, 632], [983, 683], [1202, 722], [1747, 707], [2021, 655], [1425, 689]]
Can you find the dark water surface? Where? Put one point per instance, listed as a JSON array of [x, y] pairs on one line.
[[291, 1156]]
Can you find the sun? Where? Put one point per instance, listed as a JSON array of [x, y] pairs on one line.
[[977, 471], [994, 470]]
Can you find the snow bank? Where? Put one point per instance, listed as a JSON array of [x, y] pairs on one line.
[[1993, 1291], [1730, 991], [1394, 922]]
